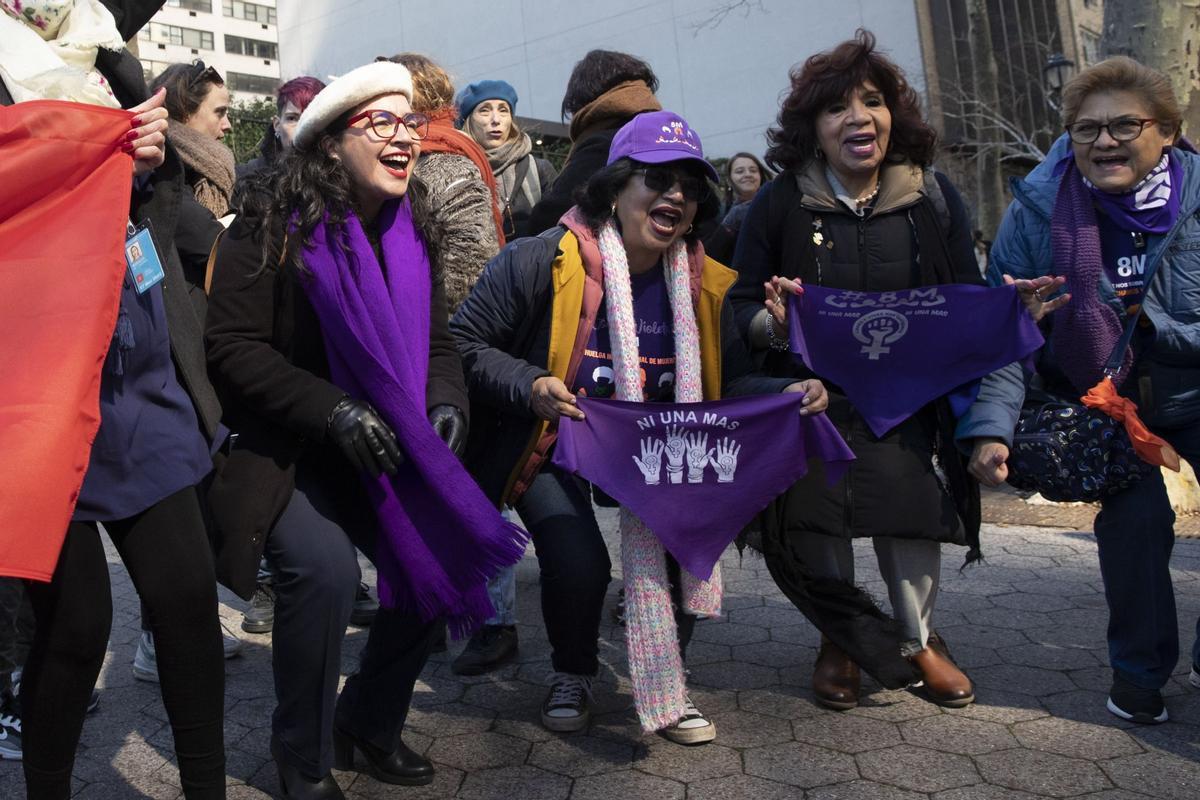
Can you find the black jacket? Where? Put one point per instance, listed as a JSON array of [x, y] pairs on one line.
[[267, 358], [588, 156], [891, 489], [181, 236]]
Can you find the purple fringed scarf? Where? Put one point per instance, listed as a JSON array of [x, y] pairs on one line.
[[440, 537], [1085, 330]]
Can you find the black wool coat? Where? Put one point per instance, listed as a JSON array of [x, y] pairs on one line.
[[266, 355]]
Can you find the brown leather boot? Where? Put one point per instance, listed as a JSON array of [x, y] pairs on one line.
[[945, 684], [836, 679]]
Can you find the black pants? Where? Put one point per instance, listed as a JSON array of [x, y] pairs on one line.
[[166, 551], [312, 548], [573, 559], [16, 628]]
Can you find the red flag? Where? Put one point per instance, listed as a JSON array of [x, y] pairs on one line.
[[64, 203]]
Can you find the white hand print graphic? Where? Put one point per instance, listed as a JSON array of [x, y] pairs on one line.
[[698, 455], [651, 461], [725, 460], [676, 447]]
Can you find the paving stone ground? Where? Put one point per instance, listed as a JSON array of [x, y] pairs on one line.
[[1028, 627]]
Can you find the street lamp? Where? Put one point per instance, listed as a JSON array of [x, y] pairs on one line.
[[1058, 71]]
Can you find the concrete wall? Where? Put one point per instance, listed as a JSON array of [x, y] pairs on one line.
[[726, 80]]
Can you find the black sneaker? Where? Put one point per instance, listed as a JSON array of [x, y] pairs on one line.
[[490, 647], [1143, 706], [566, 707], [260, 616], [365, 608], [10, 729]]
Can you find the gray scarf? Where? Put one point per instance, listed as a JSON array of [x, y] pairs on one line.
[[504, 160], [211, 163]]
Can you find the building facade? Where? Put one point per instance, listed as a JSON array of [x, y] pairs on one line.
[[239, 39], [723, 66]]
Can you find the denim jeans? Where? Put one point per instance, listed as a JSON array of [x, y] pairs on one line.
[[1135, 532], [502, 590], [574, 564]]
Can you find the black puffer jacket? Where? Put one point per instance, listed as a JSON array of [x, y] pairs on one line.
[[797, 228]]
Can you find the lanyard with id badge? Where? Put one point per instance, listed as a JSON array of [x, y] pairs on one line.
[[141, 257]]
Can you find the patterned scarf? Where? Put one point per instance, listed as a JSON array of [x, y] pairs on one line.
[[655, 665], [48, 50], [1150, 207]]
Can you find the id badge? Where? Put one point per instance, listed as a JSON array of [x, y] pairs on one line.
[[145, 268]]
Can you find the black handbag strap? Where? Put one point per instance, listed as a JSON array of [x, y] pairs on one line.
[[1113, 366]]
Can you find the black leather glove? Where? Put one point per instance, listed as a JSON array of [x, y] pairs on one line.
[[451, 427], [364, 438]]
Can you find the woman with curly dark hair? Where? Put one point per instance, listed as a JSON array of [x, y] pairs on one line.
[[327, 334], [540, 328], [857, 207]]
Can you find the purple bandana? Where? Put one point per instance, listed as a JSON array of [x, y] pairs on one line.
[[699, 471], [1150, 207], [440, 536], [894, 352]]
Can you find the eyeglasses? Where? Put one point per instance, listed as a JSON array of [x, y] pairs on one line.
[[385, 123], [202, 73], [661, 178], [1122, 129]]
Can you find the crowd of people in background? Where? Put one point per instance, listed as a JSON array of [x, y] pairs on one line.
[[365, 341]]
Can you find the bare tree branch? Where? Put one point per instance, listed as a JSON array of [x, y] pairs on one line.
[[717, 14]]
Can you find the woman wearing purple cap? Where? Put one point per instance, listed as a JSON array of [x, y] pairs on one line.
[[624, 273], [1103, 210]]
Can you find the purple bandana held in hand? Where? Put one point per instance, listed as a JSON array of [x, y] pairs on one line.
[[440, 538], [894, 352], [695, 473]]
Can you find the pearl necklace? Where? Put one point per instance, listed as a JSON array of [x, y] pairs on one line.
[[868, 197]]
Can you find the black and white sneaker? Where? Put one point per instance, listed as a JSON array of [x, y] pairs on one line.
[[692, 728], [566, 707], [10, 730], [1194, 678], [1143, 706]]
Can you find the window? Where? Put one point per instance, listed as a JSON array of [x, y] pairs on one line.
[[192, 5], [251, 47], [1089, 47], [173, 34], [254, 84], [251, 11]]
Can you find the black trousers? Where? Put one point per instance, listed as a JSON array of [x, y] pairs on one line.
[[166, 551], [574, 565], [312, 548]]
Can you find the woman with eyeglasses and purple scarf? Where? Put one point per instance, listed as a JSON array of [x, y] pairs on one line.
[[327, 333], [540, 328], [1105, 226]]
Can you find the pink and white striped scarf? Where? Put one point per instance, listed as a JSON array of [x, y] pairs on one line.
[[655, 666]]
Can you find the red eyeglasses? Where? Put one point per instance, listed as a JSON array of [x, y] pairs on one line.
[[385, 123]]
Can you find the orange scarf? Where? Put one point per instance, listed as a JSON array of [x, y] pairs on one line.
[[443, 137], [62, 234], [1151, 448]]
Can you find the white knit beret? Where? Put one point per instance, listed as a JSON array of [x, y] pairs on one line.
[[347, 91]]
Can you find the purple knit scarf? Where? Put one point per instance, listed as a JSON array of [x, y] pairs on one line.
[[1085, 330], [440, 538]]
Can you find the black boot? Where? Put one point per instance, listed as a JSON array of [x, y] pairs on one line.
[[295, 785], [490, 647], [401, 766]]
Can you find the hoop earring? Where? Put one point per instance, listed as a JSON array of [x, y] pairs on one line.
[[818, 154], [691, 228], [613, 211]]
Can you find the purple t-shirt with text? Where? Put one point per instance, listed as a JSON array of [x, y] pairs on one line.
[[1124, 257], [656, 344]]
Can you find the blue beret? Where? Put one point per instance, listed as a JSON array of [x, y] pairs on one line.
[[479, 91]]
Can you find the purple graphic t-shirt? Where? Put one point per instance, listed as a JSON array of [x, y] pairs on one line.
[[1124, 256], [656, 344]]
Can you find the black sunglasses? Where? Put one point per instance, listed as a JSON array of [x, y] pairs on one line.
[[660, 178], [201, 73]]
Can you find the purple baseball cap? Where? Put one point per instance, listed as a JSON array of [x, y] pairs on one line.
[[657, 137]]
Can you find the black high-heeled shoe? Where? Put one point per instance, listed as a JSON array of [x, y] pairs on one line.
[[402, 766], [295, 785]]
